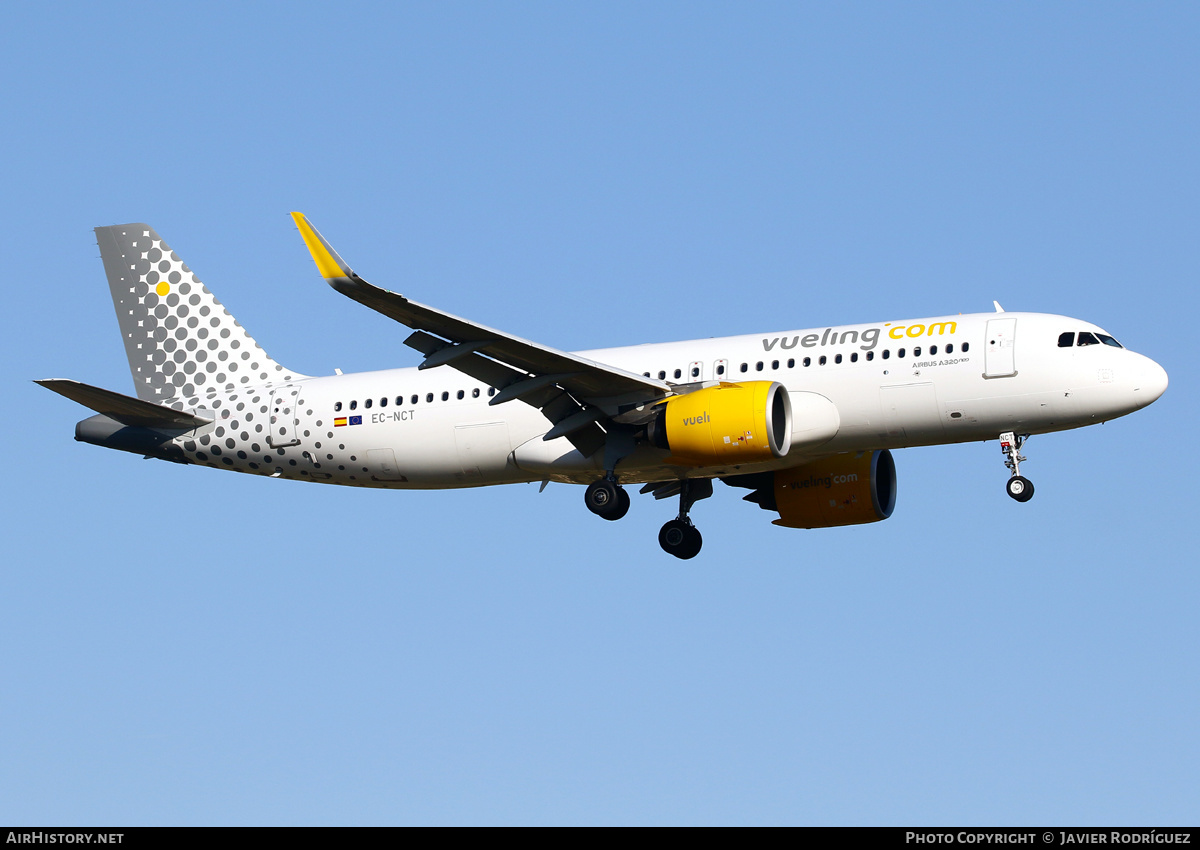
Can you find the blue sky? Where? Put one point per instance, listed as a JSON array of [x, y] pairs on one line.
[[180, 646]]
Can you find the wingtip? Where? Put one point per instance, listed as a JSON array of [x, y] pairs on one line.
[[331, 266]]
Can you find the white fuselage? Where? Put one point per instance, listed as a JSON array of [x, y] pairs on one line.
[[918, 382]]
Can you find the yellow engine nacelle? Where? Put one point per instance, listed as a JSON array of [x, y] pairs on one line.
[[844, 489], [726, 424]]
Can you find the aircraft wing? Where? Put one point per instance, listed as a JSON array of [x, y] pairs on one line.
[[572, 391]]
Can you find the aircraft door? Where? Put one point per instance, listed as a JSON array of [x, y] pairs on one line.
[[721, 371], [284, 418], [383, 466], [695, 372], [910, 411], [483, 449], [998, 359]]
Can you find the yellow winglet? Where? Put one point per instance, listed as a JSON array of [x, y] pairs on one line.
[[328, 262]]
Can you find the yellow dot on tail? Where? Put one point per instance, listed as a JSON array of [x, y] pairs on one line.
[[163, 288]]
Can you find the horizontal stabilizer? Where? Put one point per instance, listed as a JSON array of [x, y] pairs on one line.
[[130, 411]]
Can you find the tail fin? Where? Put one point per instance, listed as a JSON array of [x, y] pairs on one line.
[[180, 340]]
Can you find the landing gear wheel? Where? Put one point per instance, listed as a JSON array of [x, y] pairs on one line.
[[1020, 488], [681, 539], [622, 503], [606, 499]]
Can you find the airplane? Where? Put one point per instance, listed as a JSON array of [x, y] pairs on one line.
[[803, 419]]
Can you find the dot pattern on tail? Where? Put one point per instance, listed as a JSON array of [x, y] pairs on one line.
[[180, 340]]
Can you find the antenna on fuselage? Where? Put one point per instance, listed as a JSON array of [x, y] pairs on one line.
[[999, 309]]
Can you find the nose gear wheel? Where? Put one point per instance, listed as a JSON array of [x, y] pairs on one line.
[[1018, 487]]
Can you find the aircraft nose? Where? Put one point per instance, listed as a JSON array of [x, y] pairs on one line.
[[1151, 383]]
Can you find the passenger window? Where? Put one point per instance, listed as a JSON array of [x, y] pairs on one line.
[[887, 353], [1108, 340], [917, 351], [854, 357], [475, 392], [461, 394], [445, 396], [900, 353], [949, 348], [399, 401], [791, 364], [678, 374], [932, 350], [1066, 340], [822, 361], [662, 375], [428, 397], [837, 358], [807, 361], [745, 366], [354, 405], [870, 355], [966, 347], [383, 402], [774, 364], [337, 406], [721, 369], [415, 398], [367, 404], [695, 372], [645, 374], [491, 391], [758, 366], [1086, 338]]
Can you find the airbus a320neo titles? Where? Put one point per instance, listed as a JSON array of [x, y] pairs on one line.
[[803, 419]]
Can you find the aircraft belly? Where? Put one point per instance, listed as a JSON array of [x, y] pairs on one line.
[[536, 455]]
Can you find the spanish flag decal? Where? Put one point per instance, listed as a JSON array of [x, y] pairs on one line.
[[339, 421]]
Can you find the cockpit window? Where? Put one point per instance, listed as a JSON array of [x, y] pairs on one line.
[[1066, 340], [1108, 340], [1086, 338]]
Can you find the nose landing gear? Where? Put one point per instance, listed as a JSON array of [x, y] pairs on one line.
[[679, 537], [1019, 487]]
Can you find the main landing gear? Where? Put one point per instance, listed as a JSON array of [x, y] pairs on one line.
[[607, 499], [679, 537], [1019, 487]]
